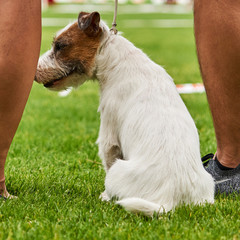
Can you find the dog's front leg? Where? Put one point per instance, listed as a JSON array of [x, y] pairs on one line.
[[104, 196], [109, 155], [108, 145]]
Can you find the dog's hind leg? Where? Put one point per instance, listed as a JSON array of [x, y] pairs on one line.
[[137, 190], [120, 179], [109, 153]]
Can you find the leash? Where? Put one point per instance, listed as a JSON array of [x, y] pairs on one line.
[[114, 24]]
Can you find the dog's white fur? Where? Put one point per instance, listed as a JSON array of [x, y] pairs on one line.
[[146, 126], [143, 114]]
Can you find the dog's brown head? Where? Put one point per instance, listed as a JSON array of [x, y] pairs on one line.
[[71, 59]]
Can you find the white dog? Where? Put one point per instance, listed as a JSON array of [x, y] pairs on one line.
[[148, 141]]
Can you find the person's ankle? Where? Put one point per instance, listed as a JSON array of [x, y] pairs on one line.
[[222, 167], [2, 185], [227, 160]]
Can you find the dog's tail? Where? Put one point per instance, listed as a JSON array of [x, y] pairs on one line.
[[137, 205]]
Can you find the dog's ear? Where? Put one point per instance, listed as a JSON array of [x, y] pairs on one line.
[[89, 23]]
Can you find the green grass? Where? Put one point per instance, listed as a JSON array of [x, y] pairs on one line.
[[54, 169]]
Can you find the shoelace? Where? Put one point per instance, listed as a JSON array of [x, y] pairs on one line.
[[206, 159]]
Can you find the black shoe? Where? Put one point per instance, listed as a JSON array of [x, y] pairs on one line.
[[226, 181]]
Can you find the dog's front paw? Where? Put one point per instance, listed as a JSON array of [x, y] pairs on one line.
[[104, 197]]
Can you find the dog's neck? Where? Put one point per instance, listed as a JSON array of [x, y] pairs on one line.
[[123, 71], [114, 54]]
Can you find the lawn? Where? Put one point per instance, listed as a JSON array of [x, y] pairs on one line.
[[54, 169]]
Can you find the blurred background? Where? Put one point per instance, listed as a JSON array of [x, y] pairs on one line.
[[49, 2], [163, 29], [55, 169]]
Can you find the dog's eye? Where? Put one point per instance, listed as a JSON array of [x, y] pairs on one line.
[[59, 46]]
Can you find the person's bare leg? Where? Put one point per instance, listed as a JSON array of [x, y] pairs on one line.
[[20, 28], [217, 33]]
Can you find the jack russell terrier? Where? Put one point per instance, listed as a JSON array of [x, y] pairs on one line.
[[148, 141]]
